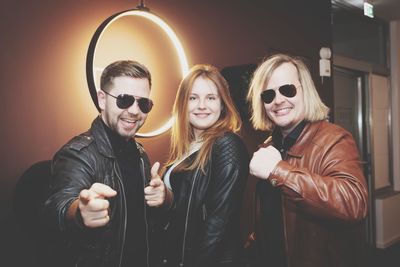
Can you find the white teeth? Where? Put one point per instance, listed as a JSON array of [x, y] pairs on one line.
[[130, 121], [282, 110]]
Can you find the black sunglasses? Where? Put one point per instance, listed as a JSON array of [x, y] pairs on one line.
[[125, 101], [287, 90]]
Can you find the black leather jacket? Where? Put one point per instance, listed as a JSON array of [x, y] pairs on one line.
[[87, 159], [208, 207]]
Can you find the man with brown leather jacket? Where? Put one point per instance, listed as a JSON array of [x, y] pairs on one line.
[[102, 190], [312, 191]]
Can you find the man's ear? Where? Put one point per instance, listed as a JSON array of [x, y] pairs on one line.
[[101, 99]]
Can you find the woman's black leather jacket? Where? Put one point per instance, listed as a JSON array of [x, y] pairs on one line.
[[212, 202]]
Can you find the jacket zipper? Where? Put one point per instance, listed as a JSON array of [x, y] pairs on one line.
[[125, 210], [145, 214], [187, 218], [284, 221]]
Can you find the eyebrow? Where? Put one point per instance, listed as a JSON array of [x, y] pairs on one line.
[[206, 94]]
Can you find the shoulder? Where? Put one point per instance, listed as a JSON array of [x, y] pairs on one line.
[[80, 142], [79, 154], [228, 139], [231, 146], [331, 129], [330, 133], [78, 146]]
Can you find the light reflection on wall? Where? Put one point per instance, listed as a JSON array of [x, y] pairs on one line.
[[134, 37]]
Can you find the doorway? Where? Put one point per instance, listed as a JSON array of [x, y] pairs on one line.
[[350, 111]]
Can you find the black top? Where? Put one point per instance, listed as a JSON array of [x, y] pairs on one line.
[[128, 158], [270, 202], [284, 144]]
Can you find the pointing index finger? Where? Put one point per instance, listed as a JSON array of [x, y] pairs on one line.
[[102, 190]]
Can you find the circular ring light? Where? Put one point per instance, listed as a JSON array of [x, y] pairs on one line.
[[144, 13]]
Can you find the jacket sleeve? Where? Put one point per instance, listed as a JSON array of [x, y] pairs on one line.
[[229, 172], [329, 182], [71, 172]]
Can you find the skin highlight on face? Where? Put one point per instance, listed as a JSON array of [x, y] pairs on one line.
[[204, 106]]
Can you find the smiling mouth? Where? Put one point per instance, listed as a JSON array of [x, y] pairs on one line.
[[129, 122], [201, 115], [283, 111]]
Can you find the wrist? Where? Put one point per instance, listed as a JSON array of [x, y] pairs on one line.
[[73, 216]]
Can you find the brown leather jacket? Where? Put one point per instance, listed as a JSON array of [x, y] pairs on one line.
[[323, 195]]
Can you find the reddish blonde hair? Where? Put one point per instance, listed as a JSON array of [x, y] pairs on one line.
[[182, 133]]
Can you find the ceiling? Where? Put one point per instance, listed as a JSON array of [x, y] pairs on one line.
[[384, 9]]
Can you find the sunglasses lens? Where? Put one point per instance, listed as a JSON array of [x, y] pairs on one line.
[[268, 95], [145, 104], [125, 101], [288, 90]]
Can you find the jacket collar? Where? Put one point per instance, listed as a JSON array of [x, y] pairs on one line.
[[283, 144], [305, 139], [103, 143]]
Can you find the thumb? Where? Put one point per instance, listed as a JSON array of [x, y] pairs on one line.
[[102, 190], [154, 170]]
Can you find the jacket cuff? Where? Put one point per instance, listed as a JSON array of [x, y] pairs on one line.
[[74, 221], [279, 174]]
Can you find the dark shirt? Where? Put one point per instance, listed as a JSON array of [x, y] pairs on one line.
[[284, 144], [270, 202], [180, 181], [128, 158]]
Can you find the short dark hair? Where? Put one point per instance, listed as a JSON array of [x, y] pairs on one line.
[[123, 68]]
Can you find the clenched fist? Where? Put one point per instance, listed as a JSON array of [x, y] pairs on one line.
[[264, 161]]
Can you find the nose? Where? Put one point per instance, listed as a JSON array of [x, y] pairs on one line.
[[202, 103], [278, 97], [134, 109]]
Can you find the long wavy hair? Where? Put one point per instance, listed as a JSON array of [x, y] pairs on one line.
[[182, 134]]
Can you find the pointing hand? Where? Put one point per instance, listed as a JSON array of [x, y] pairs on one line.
[[155, 192], [93, 205]]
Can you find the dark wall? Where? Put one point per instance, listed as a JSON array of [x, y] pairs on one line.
[[45, 100]]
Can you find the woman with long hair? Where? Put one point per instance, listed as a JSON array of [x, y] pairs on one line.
[[207, 171]]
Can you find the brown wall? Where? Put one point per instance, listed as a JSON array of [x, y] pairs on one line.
[[45, 100]]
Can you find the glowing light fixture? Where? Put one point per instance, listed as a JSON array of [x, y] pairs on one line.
[[144, 12], [368, 9]]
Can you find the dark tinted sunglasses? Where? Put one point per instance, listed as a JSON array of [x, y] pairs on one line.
[[125, 101], [287, 90]]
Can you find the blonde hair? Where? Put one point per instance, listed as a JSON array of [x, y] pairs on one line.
[[314, 109], [182, 133]]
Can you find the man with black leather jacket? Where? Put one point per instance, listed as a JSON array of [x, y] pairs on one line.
[[103, 192]]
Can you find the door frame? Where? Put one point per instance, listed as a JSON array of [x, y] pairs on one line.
[[358, 66]]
